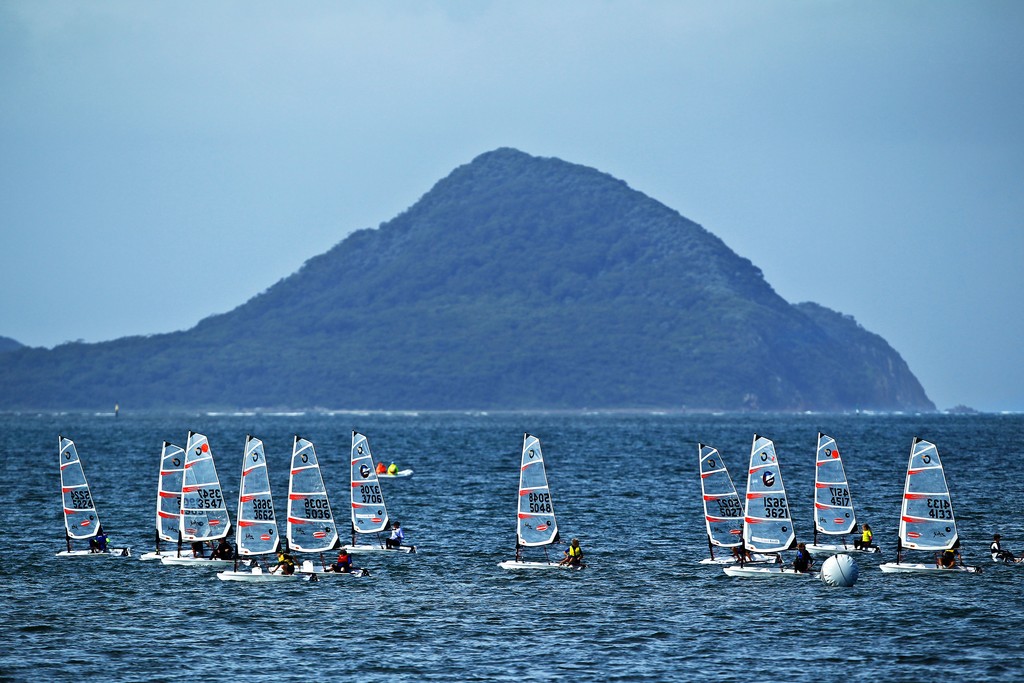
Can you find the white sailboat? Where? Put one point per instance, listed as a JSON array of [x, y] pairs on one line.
[[168, 498], [311, 527], [767, 525], [202, 516], [927, 521], [833, 505], [256, 531], [723, 511], [81, 521], [369, 512], [536, 525]]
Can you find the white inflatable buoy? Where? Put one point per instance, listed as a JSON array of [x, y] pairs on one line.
[[839, 570]]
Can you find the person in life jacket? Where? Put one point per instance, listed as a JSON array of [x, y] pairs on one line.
[[381, 468], [285, 563], [802, 562], [344, 563], [98, 543], [864, 542], [573, 554], [397, 535], [392, 468], [947, 560], [997, 551]]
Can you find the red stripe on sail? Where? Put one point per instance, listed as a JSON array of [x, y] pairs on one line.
[[819, 506], [168, 494], [66, 489], [821, 486], [914, 471], [752, 520], [296, 496], [167, 515], [752, 496], [917, 496], [67, 464], [244, 523], [245, 472], [705, 475], [246, 499], [296, 520], [69, 511], [190, 489]]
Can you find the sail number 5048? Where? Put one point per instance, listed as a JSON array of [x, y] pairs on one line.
[[540, 502]]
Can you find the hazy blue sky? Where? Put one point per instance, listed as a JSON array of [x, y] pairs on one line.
[[161, 162]]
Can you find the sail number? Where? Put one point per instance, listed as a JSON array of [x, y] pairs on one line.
[[81, 500], [729, 507], [262, 510], [316, 508], [371, 494], [938, 508], [775, 508], [840, 496], [205, 499], [540, 502]]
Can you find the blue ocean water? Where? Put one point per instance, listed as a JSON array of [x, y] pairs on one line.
[[625, 484]]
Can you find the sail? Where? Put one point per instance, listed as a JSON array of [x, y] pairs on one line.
[[369, 514], [204, 516], [536, 523], [257, 527], [168, 491], [833, 505], [80, 518], [311, 526], [723, 512], [767, 527], [927, 521]]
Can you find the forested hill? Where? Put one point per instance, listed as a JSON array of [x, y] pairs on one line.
[[517, 282], [8, 344]]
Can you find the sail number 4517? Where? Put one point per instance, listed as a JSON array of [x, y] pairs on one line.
[[540, 502]]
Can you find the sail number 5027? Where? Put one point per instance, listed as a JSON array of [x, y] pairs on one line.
[[540, 502]]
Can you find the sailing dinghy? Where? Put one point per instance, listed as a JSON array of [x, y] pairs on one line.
[[202, 515], [833, 504], [168, 498], [256, 531], [81, 521], [926, 517], [310, 527], [536, 526], [767, 525], [723, 512], [369, 513]]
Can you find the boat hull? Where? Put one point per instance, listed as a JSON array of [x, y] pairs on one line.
[[767, 572], [730, 560], [195, 561], [919, 568], [369, 548], [400, 474], [834, 549], [257, 575], [111, 552], [519, 564]]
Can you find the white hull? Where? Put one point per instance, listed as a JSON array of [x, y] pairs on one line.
[[766, 572], [257, 575], [195, 561], [368, 548], [819, 549], [758, 559], [111, 552], [398, 475], [519, 564], [919, 568], [155, 555], [308, 568]]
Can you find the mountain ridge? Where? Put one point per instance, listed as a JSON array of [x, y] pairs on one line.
[[515, 282]]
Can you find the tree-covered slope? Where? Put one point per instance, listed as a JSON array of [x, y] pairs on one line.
[[516, 282]]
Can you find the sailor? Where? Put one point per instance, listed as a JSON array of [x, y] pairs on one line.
[[947, 560], [224, 551], [802, 562], [381, 468], [98, 543], [864, 542], [997, 551], [573, 554], [285, 563], [344, 563], [392, 469], [397, 535]]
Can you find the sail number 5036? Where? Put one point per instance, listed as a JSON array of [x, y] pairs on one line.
[[540, 502]]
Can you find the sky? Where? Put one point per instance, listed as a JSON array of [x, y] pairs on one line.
[[163, 162]]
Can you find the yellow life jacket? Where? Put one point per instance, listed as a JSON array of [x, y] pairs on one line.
[[866, 536], [575, 551]]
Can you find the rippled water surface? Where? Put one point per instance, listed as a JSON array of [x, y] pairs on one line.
[[625, 485]]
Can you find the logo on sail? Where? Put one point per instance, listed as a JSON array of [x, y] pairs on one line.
[[768, 478]]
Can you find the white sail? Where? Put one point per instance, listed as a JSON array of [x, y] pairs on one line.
[[369, 513], [833, 505], [311, 526], [168, 491], [926, 520], [767, 527], [204, 516], [535, 522], [80, 518], [257, 526], [723, 512]]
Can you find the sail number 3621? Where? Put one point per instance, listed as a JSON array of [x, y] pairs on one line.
[[775, 508], [540, 502]]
